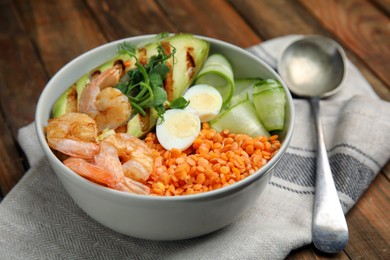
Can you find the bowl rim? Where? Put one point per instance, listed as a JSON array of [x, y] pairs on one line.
[[218, 193]]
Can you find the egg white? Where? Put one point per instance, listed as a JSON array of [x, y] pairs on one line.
[[178, 130], [205, 100]]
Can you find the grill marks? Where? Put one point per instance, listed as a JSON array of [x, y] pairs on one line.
[[142, 56], [119, 64], [145, 120], [190, 65], [190, 62], [168, 82], [71, 100]]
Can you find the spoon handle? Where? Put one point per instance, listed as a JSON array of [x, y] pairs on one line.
[[329, 227]]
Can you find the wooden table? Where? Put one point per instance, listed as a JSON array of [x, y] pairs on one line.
[[38, 37]]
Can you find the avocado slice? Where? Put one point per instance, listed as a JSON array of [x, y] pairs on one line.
[[140, 125], [191, 53], [66, 103]]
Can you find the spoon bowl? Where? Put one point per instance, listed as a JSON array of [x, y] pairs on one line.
[[314, 67]]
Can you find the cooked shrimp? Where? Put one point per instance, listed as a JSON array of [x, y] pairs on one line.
[[114, 109], [136, 187], [107, 170], [108, 159], [137, 159], [73, 134], [90, 171], [108, 78], [107, 105]]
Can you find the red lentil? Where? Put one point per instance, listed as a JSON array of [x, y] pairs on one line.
[[215, 160]]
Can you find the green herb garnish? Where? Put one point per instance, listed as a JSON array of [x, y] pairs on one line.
[[179, 103], [144, 85]]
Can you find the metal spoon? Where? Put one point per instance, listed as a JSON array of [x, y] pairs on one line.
[[313, 67]]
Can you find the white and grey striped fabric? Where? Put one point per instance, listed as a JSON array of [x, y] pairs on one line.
[[38, 220]]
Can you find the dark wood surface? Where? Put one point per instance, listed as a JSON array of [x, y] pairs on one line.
[[38, 37]]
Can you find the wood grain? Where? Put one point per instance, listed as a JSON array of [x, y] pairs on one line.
[[274, 18], [386, 170], [21, 75], [382, 5], [24, 87], [379, 86], [11, 163], [309, 252], [21, 80], [61, 30], [215, 18], [121, 19], [360, 26], [370, 219]]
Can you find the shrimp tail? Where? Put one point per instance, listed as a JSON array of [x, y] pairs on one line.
[[79, 149], [90, 171], [137, 187], [103, 177]]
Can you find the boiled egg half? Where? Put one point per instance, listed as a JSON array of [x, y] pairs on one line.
[[178, 130], [205, 100]]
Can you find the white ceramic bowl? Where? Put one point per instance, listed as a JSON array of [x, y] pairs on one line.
[[151, 217]]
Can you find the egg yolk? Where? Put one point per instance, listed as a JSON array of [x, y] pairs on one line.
[[182, 125], [204, 102]]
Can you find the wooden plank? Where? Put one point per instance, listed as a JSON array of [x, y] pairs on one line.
[[21, 75], [379, 87], [382, 5], [13, 113], [309, 252], [386, 170], [19, 92], [122, 19], [274, 18], [11, 163], [360, 26], [214, 18], [61, 30], [370, 219], [116, 24]]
